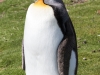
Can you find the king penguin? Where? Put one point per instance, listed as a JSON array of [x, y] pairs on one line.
[[49, 41]]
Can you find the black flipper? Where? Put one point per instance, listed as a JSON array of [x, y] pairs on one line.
[[23, 57], [65, 48]]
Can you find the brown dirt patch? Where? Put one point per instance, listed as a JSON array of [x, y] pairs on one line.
[[98, 11], [1, 1]]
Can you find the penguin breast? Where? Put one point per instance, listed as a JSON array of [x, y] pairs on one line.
[[42, 36], [41, 25]]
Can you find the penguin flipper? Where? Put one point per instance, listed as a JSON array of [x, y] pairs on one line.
[[64, 52], [23, 57], [67, 45]]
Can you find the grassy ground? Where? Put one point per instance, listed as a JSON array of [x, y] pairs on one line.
[[86, 21]]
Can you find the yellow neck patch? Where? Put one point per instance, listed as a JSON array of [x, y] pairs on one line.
[[40, 3]]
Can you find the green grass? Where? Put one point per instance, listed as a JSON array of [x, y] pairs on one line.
[[86, 22]]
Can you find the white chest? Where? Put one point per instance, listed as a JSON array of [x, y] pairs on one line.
[[42, 36]]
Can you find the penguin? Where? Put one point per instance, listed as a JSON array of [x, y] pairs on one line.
[[49, 41]]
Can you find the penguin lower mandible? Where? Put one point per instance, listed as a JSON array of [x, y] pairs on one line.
[[49, 41]]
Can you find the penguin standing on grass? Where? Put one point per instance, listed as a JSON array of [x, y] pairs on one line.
[[49, 44]]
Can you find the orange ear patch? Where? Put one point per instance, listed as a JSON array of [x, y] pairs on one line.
[[40, 3]]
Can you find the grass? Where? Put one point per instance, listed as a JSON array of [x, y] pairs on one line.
[[86, 22]]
